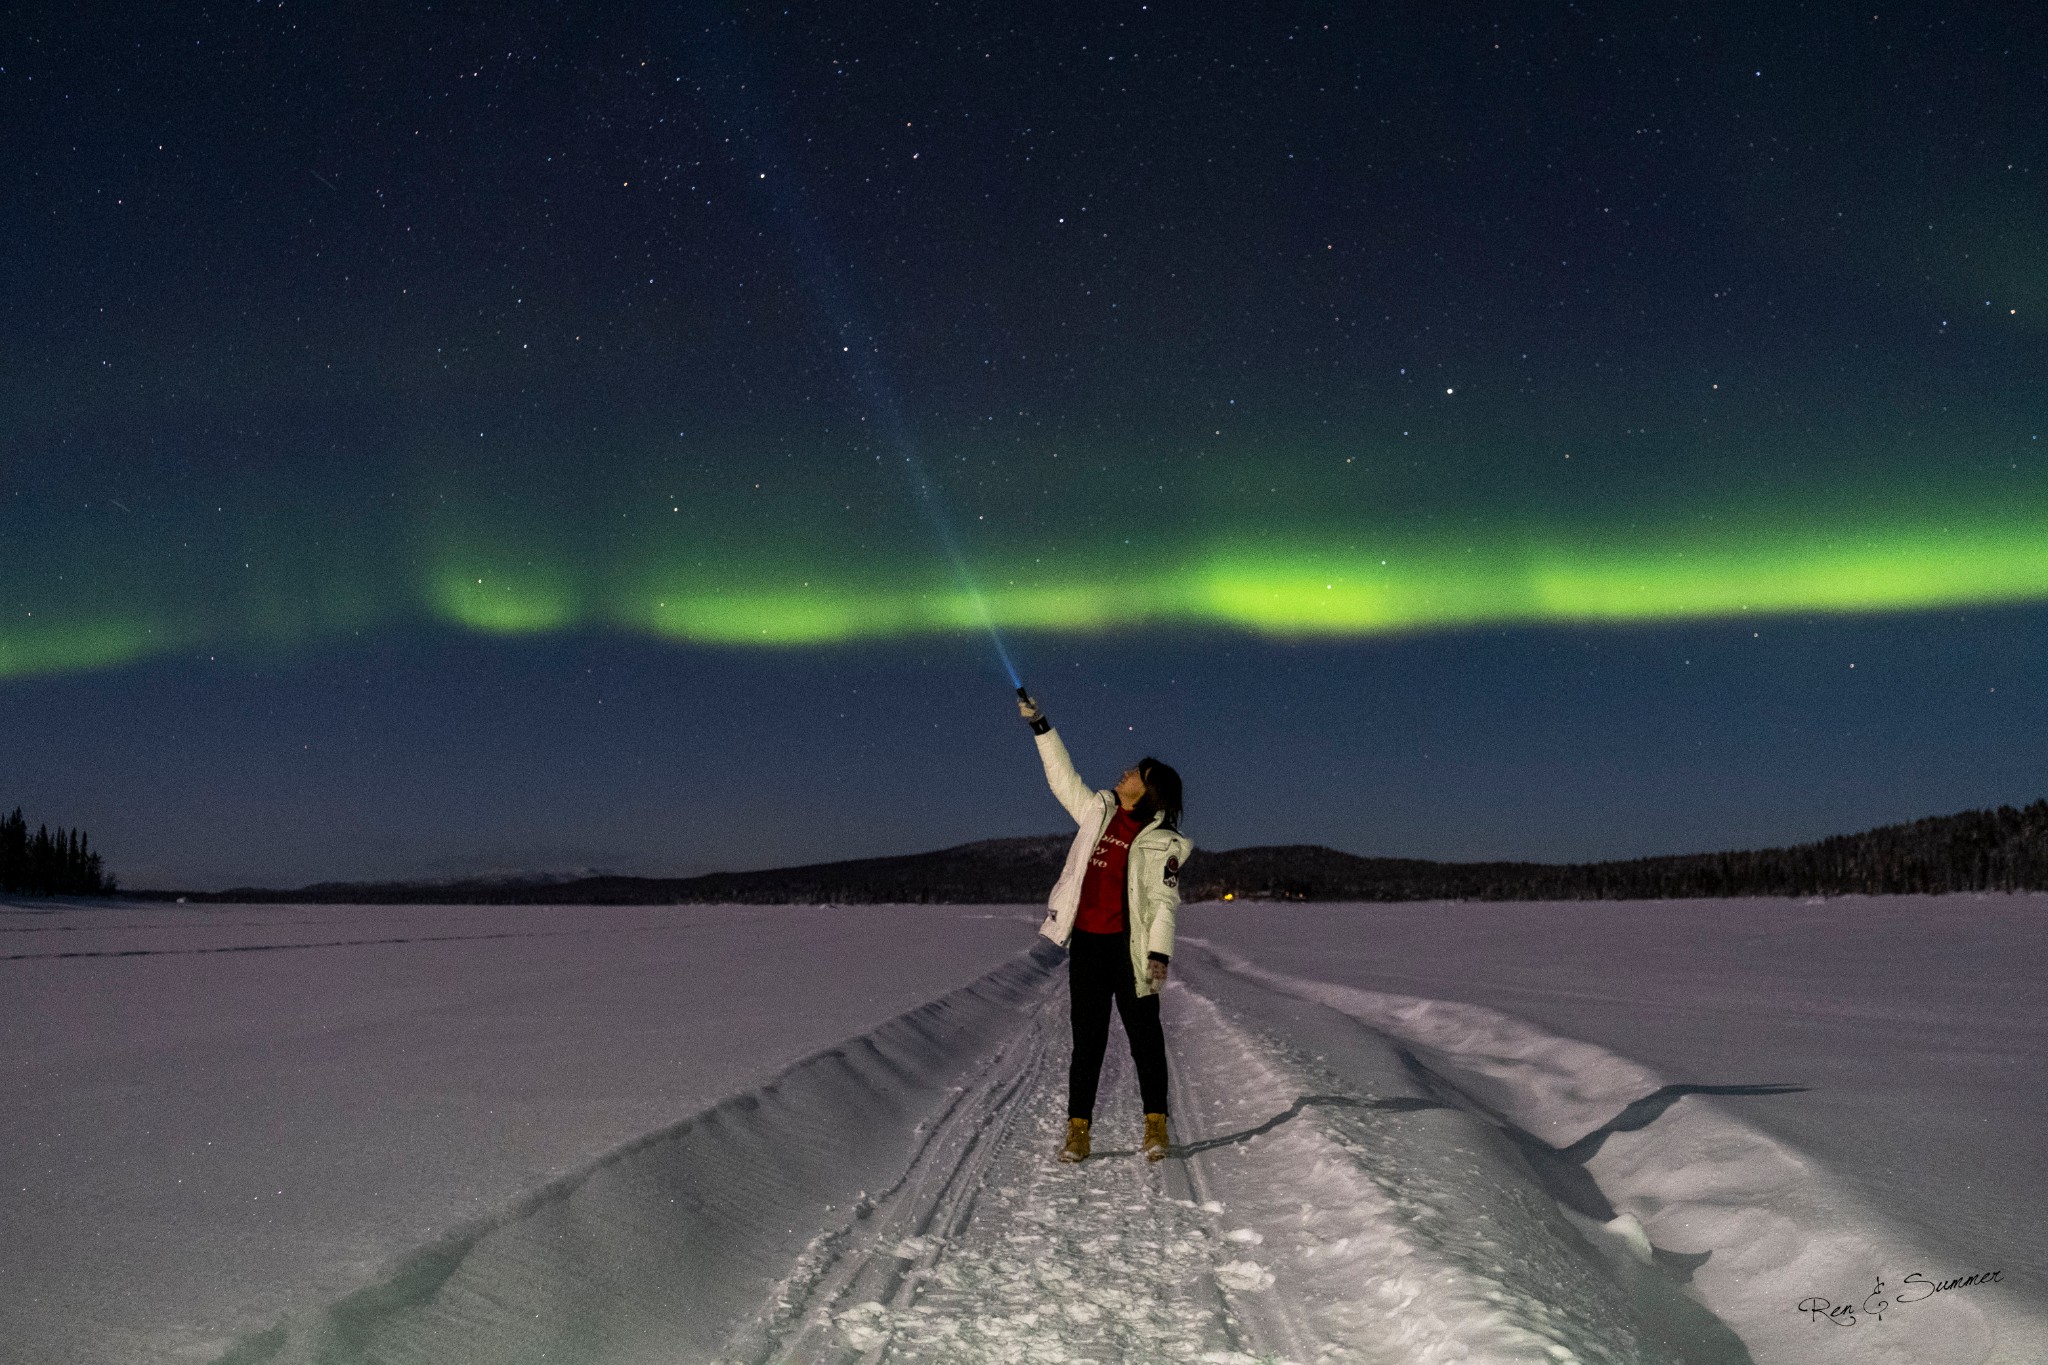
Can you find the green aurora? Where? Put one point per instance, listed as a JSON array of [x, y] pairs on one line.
[[779, 573], [1371, 391]]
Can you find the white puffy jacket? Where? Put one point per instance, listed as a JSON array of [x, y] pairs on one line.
[[1151, 876]]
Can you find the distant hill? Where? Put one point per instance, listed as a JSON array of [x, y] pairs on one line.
[[1984, 850], [992, 871]]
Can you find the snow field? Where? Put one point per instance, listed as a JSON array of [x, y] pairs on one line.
[[1919, 1025], [1754, 1226], [218, 1118], [221, 1125]]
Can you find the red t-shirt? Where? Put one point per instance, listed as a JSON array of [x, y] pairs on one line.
[[1102, 888]]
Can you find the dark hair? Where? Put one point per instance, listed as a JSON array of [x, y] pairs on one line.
[[1162, 793]]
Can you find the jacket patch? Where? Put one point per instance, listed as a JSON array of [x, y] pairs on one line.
[[1172, 873]]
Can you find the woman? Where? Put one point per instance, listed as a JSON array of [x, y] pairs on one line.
[[1113, 909]]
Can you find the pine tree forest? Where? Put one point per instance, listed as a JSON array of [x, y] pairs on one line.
[[48, 863]]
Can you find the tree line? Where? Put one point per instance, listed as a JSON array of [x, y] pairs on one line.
[[1980, 850], [49, 863], [2005, 849]]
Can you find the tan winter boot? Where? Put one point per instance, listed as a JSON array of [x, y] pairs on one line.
[[1156, 1145], [1077, 1141]]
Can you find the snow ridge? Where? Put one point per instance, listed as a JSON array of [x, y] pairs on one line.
[[663, 1248], [1395, 1228], [1674, 1189]]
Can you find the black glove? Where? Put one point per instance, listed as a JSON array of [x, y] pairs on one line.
[[1046, 953]]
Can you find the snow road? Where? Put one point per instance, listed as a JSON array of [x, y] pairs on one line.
[[1303, 1221], [1356, 1180]]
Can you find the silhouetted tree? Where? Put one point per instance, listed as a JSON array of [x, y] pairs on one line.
[[46, 864]]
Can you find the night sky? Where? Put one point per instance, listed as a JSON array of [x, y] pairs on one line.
[[444, 439]]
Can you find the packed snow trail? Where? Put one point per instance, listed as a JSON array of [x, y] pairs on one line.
[[1303, 1218], [1033, 1260]]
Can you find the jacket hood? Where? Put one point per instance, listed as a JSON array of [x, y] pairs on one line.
[[1178, 842]]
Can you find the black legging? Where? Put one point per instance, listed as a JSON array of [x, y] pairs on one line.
[[1099, 970]]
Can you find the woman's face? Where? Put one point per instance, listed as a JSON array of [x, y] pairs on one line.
[[1130, 787]]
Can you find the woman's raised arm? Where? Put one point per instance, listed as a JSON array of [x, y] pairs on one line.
[[1066, 784]]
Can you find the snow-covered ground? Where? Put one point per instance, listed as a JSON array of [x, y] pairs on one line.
[[1405, 1133], [195, 1141], [1917, 1024]]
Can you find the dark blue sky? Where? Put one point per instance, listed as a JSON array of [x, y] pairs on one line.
[[555, 436], [431, 755]]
